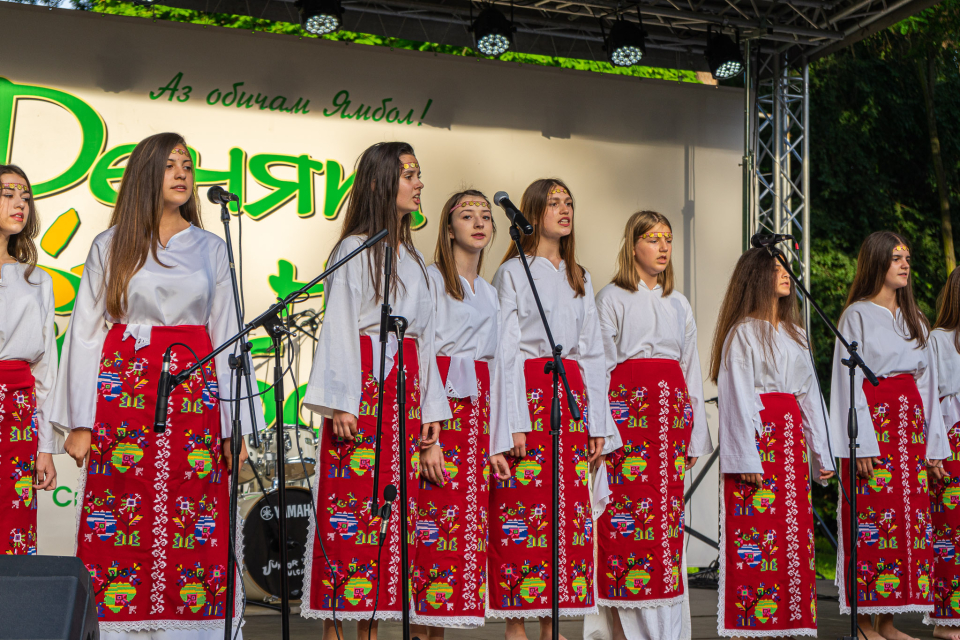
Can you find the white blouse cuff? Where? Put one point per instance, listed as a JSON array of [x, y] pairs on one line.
[[601, 490], [462, 378], [140, 334]]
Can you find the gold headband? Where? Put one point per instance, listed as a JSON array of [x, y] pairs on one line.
[[17, 186], [557, 189], [483, 204], [901, 247], [658, 234], [409, 165], [179, 151]]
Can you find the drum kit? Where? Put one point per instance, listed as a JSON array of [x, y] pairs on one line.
[[259, 512]]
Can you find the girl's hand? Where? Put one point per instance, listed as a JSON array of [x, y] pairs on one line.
[[500, 467], [429, 434], [935, 469], [826, 475], [77, 445], [690, 462], [345, 425], [45, 473], [431, 464], [865, 467], [519, 449], [228, 453], [752, 478], [595, 449]]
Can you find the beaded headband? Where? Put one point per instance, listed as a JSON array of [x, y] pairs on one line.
[[180, 151], [483, 204], [658, 234], [17, 186], [409, 165], [557, 189], [901, 247]]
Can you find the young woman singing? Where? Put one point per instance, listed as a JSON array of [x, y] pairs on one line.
[[771, 415], [152, 519], [450, 573], [904, 447], [521, 507], [357, 582], [656, 393], [28, 368]]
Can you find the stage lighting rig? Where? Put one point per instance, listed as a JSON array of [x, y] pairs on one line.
[[493, 32], [723, 55], [626, 44], [320, 17]]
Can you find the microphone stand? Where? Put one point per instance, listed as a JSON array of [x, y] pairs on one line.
[[554, 367], [238, 366], [270, 320], [852, 361], [390, 323]]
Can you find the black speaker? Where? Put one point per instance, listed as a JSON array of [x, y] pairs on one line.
[[46, 598]]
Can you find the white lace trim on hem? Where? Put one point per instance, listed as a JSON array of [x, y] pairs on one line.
[[539, 613], [767, 633], [907, 608], [641, 604], [327, 614], [946, 622], [161, 625], [449, 622]]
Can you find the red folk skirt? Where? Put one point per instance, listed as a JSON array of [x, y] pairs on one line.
[[152, 525], [895, 546], [944, 500], [18, 458], [767, 566], [640, 534], [449, 576], [358, 577], [521, 511]]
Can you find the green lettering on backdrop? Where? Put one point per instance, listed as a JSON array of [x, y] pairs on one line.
[[285, 190], [92, 127]]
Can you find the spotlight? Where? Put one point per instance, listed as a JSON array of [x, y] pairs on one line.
[[320, 17], [493, 32], [723, 55], [626, 44]]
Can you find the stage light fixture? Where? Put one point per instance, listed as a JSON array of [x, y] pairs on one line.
[[320, 17], [723, 55], [626, 44], [493, 32]]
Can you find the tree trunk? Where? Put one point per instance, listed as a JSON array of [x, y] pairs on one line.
[[928, 78]]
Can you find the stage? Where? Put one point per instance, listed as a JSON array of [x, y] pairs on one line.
[[262, 623]]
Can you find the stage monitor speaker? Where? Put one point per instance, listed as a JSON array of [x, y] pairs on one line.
[[46, 598]]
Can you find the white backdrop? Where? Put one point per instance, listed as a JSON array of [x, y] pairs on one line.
[[80, 86]]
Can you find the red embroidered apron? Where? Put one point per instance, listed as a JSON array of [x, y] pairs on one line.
[[944, 500], [18, 458]]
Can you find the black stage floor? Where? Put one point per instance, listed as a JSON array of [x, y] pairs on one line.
[[263, 624]]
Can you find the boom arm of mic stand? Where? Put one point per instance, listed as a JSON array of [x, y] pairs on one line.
[[855, 358], [555, 351], [273, 311]]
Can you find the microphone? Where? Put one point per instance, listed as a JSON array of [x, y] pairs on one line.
[[501, 199], [761, 240], [218, 195], [389, 495], [374, 239], [163, 396]]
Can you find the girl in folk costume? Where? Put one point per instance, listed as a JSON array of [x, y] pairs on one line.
[[152, 521], [352, 584], [521, 507], [945, 490], [908, 440], [771, 412], [656, 394], [449, 576], [28, 368]]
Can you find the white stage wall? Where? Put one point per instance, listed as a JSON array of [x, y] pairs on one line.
[[268, 117]]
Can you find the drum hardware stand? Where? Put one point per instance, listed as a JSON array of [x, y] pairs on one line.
[[269, 320], [555, 367], [852, 361]]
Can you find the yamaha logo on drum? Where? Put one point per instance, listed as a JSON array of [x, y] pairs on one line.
[[267, 512]]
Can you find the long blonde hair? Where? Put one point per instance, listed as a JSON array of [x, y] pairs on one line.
[[533, 203], [443, 255], [627, 277]]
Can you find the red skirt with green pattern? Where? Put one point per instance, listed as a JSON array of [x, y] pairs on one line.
[[18, 459]]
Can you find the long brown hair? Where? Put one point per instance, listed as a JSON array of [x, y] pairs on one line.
[[873, 262], [533, 203], [948, 307], [136, 217], [627, 277], [21, 246], [752, 292], [373, 206], [443, 255]]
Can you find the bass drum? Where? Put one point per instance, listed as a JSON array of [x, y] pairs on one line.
[[261, 551]]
